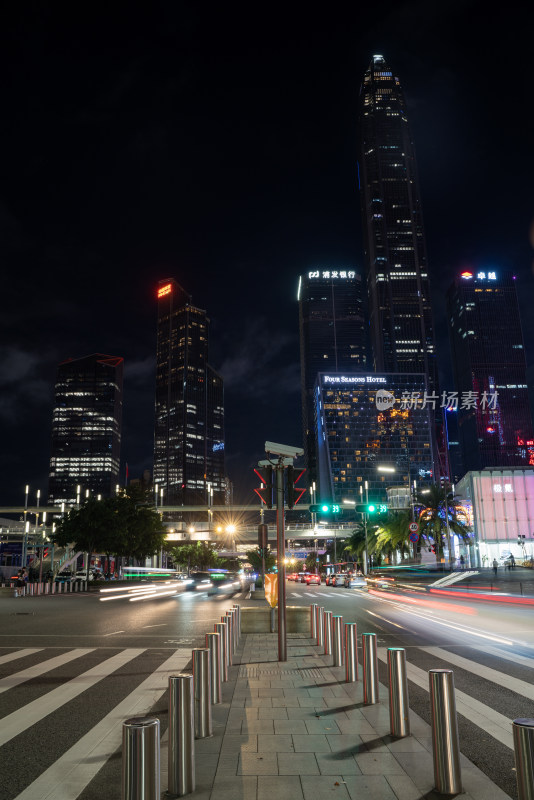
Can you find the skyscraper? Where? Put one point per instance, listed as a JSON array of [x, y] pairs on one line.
[[332, 337], [86, 427], [400, 316], [189, 428], [488, 355]]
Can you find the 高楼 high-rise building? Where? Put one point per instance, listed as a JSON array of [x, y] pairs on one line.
[[86, 428], [189, 428]]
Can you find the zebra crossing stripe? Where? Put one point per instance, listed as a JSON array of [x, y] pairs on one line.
[[19, 654], [515, 658], [19, 721], [67, 777], [39, 669], [500, 678], [490, 721], [295, 594]]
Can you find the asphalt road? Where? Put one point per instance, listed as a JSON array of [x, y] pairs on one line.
[[69, 662]]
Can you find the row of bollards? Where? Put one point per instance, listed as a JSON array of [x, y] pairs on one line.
[[190, 700], [327, 632]]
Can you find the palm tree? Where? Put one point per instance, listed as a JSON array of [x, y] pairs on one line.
[[436, 504], [392, 534]]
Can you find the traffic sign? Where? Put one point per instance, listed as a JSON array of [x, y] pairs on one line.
[[413, 537], [414, 527]]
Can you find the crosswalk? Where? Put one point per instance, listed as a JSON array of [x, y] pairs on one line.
[[45, 688], [65, 684], [343, 595]]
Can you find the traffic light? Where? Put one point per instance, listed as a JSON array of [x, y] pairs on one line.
[[371, 508], [265, 494], [326, 508], [263, 538], [294, 492]]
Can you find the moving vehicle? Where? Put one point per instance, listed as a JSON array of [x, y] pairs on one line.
[[199, 581], [338, 579], [64, 577], [224, 582], [315, 579], [355, 581], [301, 577]]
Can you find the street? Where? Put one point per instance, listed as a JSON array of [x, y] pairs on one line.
[[72, 668]]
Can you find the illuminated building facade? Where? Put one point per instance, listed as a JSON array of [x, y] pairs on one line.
[[400, 315], [488, 357], [332, 337], [86, 428], [356, 434], [189, 426]]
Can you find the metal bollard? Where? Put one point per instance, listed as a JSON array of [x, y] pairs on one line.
[[238, 609], [337, 635], [351, 652], [370, 669], [328, 633], [181, 754], [213, 643], [320, 626], [399, 704], [313, 621], [523, 730], [233, 615], [140, 759], [229, 639], [53, 589], [230, 619], [445, 746], [220, 628], [202, 692]]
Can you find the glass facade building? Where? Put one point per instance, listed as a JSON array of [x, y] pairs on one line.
[[86, 428], [488, 355], [366, 421], [332, 337], [189, 426]]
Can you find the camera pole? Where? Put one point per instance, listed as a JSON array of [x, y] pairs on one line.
[[281, 550]]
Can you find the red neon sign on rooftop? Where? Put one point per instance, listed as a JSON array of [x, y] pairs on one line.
[[163, 290]]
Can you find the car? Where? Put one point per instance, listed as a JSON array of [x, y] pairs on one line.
[[301, 577], [64, 577], [329, 579], [355, 580], [199, 581], [224, 583], [292, 576], [338, 579], [316, 579]]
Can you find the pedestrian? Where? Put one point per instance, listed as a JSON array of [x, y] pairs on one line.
[[495, 565], [462, 562], [512, 561]]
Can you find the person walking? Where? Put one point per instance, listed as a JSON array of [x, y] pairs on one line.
[[495, 565], [512, 561], [462, 562]]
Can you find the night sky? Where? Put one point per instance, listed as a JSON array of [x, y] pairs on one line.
[[218, 144]]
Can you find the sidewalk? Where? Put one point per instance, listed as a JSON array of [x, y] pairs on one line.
[[296, 731]]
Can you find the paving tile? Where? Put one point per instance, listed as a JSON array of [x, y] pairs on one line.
[[370, 787], [260, 701], [404, 787], [313, 702], [208, 745], [276, 743], [360, 726], [289, 726], [258, 726], [238, 788], [268, 692], [420, 770], [326, 786], [344, 743], [272, 713], [378, 764], [228, 764], [406, 745], [301, 713], [286, 787], [311, 743], [258, 764], [372, 743], [283, 702], [333, 764], [238, 743], [297, 764], [324, 725]]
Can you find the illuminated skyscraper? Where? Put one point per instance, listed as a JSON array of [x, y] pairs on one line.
[[488, 355], [189, 429], [402, 334], [86, 428], [332, 337]]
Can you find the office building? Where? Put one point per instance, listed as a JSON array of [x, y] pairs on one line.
[[488, 355], [189, 427], [86, 428], [332, 337], [367, 422]]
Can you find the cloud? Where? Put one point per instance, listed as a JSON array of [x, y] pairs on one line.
[[24, 382], [140, 372]]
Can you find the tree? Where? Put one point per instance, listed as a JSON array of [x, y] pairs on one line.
[[255, 560], [392, 534], [195, 555], [92, 528], [434, 505]]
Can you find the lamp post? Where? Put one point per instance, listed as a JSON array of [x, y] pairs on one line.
[[26, 529], [42, 548]]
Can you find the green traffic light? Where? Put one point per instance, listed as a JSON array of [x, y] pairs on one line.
[[372, 508], [325, 508]]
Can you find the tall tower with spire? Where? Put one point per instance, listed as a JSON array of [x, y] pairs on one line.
[[402, 333], [400, 315]]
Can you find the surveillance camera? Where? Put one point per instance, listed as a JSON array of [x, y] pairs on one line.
[[283, 450]]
